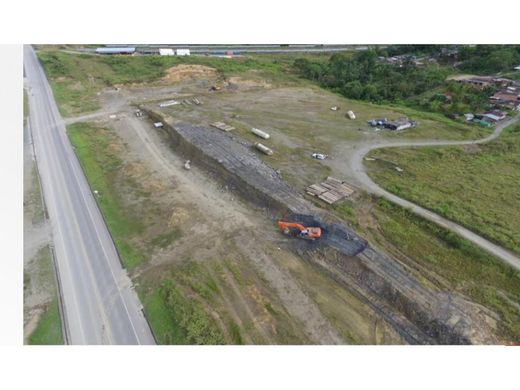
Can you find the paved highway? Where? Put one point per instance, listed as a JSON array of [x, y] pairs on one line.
[[361, 178], [99, 304]]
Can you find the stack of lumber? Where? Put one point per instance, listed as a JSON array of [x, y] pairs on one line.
[[331, 190], [222, 126]]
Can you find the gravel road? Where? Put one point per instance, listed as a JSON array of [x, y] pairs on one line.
[[358, 174]]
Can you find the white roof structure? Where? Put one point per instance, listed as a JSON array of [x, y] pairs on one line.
[[492, 117], [517, 67], [166, 52], [183, 52]]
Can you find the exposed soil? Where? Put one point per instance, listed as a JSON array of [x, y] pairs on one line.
[[421, 315], [185, 72], [216, 224], [244, 83], [226, 205]]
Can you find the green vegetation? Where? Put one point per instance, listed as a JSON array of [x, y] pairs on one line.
[[102, 168], [165, 240], [25, 106], [76, 78], [486, 59], [476, 186], [39, 279], [362, 77], [179, 319], [236, 334], [455, 99], [48, 331], [198, 303], [176, 311], [33, 203], [466, 268]]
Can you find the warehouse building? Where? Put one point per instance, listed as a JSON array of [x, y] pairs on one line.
[[115, 50]]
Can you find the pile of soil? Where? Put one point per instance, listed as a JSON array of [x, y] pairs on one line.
[[185, 72]]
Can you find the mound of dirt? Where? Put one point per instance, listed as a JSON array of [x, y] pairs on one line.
[[186, 72]]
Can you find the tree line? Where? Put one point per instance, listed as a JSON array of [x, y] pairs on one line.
[[362, 76]]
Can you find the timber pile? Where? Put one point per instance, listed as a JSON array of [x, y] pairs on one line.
[[331, 190], [222, 126]]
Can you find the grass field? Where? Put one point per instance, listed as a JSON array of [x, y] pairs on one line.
[[464, 267], [39, 278], [475, 186], [48, 331]]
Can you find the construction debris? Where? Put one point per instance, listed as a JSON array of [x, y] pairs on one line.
[[169, 103], [334, 108], [398, 124], [196, 101], [319, 156], [187, 165], [222, 126], [264, 149], [260, 133], [158, 125], [331, 190]]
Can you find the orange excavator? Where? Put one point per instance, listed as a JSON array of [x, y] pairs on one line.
[[298, 230]]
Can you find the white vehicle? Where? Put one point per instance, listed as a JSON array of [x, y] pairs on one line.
[[319, 156]]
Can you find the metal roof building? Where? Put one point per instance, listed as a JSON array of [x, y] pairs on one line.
[[115, 50], [166, 52]]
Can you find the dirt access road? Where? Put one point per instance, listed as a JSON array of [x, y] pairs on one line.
[[355, 171]]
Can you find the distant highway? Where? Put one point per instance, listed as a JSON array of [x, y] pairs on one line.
[[99, 304], [358, 171], [244, 49]]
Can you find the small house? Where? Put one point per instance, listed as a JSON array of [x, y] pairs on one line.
[[400, 124]]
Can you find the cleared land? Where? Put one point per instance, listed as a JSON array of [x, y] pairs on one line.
[[208, 268], [440, 257], [475, 185], [199, 281]]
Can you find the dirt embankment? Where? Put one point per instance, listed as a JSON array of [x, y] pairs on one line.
[[188, 72], [420, 314]]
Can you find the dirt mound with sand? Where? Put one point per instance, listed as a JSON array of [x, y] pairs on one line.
[[185, 72]]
